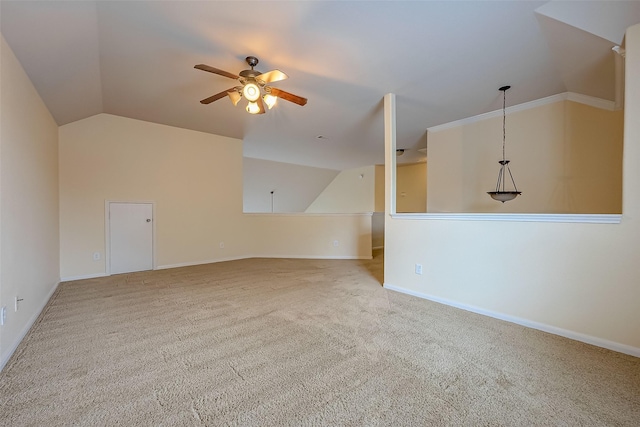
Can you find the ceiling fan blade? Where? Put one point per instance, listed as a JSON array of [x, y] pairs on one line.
[[235, 96], [288, 96], [215, 97], [214, 70], [272, 76]]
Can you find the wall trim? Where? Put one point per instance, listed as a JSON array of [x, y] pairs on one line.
[[305, 214], [192, 263], [566, 96], [83, 277], [516, 217], [340, 257], [213, 261], [603, 104], [577, 336], [27, 327]]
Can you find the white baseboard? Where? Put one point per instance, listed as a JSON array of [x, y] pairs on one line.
[[191, 264], [314, 256], [82, 277], [212, 261], [599, 342], [7, 354]]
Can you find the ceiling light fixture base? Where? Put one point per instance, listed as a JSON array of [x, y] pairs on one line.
[[252, 61]]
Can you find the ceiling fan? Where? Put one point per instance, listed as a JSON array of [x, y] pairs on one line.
[[254, 87]]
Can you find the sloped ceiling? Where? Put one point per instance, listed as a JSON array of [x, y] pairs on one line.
[[444, 60]]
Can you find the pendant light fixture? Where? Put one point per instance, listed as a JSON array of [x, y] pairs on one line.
[[502, 194]]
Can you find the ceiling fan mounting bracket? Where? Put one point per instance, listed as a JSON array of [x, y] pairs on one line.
[[252, 61]]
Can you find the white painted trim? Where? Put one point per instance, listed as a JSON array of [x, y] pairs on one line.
[[514, 217], [7, 355], [191, 264], [577, 336], [213, 261], [341, 257], [566, 96], [305, 214], [83, 277], [619, 77], [603, 104]]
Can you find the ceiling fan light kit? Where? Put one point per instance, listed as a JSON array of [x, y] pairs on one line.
[[254, 88], [251, 91], [253, 108], [270, 100], [501, 194]]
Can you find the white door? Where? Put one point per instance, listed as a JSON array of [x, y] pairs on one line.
[[130, 237]]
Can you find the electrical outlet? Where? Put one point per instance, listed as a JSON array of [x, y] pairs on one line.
[[96, 256], [17, 301], [3, 315], [221, 245], [336, 243], [418, 268]]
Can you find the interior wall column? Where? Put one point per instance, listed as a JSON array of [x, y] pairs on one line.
[[389, 164]]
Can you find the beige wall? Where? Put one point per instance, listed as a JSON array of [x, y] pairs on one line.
[[352, 191], [294, 187], [594, 159], [411, 187], [29, 245], [195, 180], [578, 280], [379, 189], [565, 157], [339, 236], [377, 230]]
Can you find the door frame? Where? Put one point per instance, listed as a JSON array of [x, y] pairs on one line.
[[107, 236]]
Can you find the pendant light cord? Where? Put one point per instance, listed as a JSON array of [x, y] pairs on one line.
[[504, 121]]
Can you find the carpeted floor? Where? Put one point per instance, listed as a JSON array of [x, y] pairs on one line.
[[273, 342]]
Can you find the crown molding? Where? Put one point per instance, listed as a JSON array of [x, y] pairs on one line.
[[566, 96], [603, 104]]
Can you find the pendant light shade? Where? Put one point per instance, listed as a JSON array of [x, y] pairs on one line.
[[502, 194]]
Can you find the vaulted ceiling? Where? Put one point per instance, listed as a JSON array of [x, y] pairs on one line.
[[444, 60]]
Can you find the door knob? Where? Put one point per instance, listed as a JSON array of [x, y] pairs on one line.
[[148, 220]]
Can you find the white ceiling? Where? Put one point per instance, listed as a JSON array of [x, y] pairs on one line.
[[444, 60]]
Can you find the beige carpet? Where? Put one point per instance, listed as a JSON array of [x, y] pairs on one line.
[[265, 342]]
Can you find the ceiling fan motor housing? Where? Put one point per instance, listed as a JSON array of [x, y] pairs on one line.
[[249, 74]]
